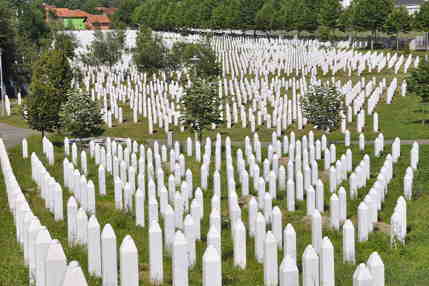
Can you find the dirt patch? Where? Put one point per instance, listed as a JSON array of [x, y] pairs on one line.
[[324, 176], [244, 201], [382, 227], [307, 221], [284, 161], [144, 272]]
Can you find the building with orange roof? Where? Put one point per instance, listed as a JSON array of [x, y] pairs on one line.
[[98, 22], [78, 19]]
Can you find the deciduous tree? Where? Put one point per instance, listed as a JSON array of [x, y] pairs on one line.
[[80, 116], [422, 17], [329, 14], [106, 48], [150, 54], [398, 22], [370, 15], [207, 65], [200, 106], [52, 76]]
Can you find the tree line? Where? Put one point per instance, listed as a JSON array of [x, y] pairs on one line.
[[323, 16]]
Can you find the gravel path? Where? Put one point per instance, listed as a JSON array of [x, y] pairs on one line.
[[12, 136]]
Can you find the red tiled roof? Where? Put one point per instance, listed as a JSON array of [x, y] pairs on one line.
[[67, 13], [98, 19], [94, 22]]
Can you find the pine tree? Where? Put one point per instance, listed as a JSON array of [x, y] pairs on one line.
[[418, 83]]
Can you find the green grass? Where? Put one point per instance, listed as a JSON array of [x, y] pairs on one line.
[[404, 266], [12, 269], [15, 119], [404, 117]]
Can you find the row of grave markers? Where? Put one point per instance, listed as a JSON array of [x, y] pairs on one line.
[[260, 216]]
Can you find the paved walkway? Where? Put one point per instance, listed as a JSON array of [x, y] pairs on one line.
[[13, 136]]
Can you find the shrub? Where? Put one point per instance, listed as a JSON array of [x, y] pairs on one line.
[[322, 107]]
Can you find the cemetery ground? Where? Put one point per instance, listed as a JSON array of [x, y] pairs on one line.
[[406, 117], [404, 265]]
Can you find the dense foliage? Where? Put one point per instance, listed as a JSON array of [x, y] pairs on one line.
[[80, 116], [122, 18], [370, 15], [150, 55], [288, 15], [206, 63], [418, 81], [422, 17], [398, 21], [66, 43], [322, 106], [200, 106], [86, 5], [51, 80], [23, 33], [106, 48], [7, 41]]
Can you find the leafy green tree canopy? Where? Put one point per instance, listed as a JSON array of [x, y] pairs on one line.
[[398, 21], [150, 54], [422, 17], [51, 80], [200, 106], [66, 43], [7, 40], [206, 65], [106, 48], [122, 18], [330, 11], [370, 15], [80, 116]]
